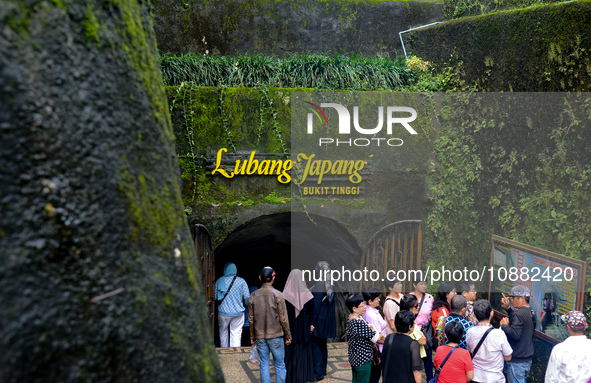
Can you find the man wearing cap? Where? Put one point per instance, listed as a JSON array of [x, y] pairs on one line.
[[267, 316], [570, 361], [519, 328]]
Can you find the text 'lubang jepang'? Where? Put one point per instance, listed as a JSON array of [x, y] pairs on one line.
[[282, 168]]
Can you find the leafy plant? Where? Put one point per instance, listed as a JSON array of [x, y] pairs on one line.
[[297, 71]]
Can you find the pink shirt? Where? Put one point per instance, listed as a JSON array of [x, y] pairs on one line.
[[425, 314], [373, 316]]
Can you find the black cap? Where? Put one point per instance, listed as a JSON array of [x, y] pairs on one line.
[[267, 274]]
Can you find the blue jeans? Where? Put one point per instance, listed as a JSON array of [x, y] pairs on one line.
[[517, 372], [276, 347]]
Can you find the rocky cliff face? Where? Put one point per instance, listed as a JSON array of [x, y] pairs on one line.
[[98, 274], [279, 27]]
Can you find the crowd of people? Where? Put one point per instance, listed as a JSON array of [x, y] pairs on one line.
[[458, 331], [448, 337], [293, 326]]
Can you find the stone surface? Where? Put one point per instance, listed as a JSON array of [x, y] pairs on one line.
[[282, 27], [90, 204], [538, 49]]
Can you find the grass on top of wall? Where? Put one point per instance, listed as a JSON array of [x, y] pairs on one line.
[[297, 71]]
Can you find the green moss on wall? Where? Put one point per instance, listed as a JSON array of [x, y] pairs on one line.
[[542, 48], [140, 44], [149, 206], [240, 120], [523, 173], [91, 26], [463, 8], [85, 122]]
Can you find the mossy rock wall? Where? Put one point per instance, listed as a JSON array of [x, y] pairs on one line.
[[206, 119], [282, 27], [91, 204], [246, 119], [542, 48], [463, 8]]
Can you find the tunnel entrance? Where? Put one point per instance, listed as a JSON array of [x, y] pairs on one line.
[[270, 241]]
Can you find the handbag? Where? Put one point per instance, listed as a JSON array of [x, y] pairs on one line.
[[436, 376], [427, 329], [376, 360]]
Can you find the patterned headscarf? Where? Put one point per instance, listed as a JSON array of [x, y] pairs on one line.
[[295, 291], [320, 267]]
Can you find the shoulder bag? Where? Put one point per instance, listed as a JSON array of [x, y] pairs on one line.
[[229, 288], [472, 354], [427, 329], [393, 300]]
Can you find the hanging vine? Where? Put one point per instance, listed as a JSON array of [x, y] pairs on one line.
[[225, 120], [269, 109]]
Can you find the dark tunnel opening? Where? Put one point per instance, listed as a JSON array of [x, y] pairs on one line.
[[285, 241]]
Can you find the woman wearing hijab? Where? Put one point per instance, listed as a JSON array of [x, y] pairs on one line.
[[300, 306], [323, 319], [232, 294]]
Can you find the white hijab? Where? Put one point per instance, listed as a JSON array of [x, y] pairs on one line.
[[295, 291]]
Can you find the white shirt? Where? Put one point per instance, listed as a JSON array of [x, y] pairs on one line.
[[570, 361], [489, 360]]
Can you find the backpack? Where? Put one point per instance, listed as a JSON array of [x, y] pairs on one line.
[[440, 330]]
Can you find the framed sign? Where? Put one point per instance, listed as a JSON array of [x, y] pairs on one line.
[[556, 283]]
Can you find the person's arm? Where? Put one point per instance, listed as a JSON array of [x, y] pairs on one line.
[[514, 329], [376, 337], [416, 362], [469, 366], [552, 369], [251, 319], [434, 317], [506, 305], [245, 293], [429, 305], [423, 339], [418, 376], [389, 314], [366, 331], [506, 349], [282, 311], [309, 307], [392, 325]]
